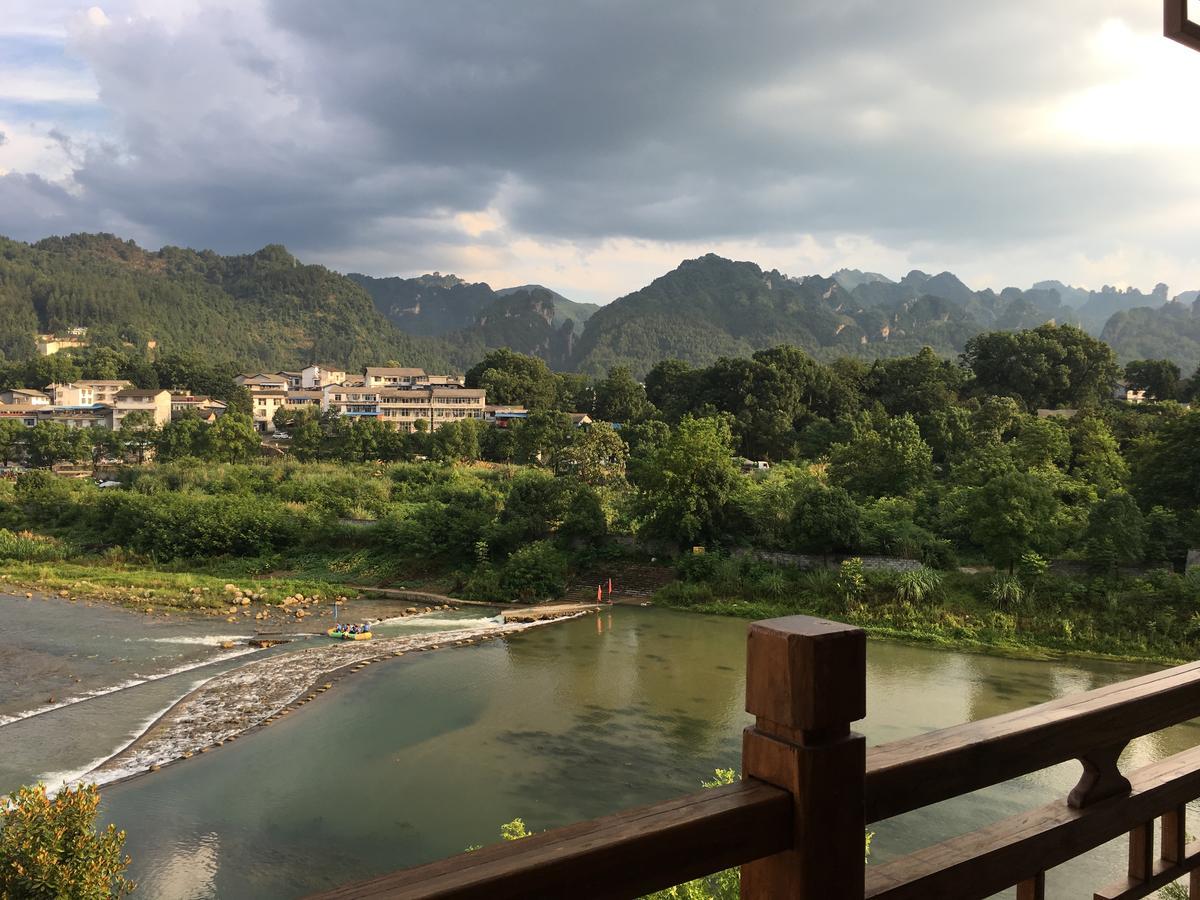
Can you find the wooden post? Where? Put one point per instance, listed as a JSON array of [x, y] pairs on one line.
[[806, 682]]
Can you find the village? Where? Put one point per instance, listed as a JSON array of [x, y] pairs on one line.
[[405, 398]]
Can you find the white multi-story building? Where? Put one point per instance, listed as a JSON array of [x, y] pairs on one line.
[[85, 392], [403, 407], [315, 377]]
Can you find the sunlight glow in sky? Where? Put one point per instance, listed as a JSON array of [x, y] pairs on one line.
[[591, 147]]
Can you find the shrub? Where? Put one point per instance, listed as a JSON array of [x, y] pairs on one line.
[[851, 581], [535, 572], [773, 586], [49, 847], [698, 567], [1006, 592], [28, 547], [921, 585]]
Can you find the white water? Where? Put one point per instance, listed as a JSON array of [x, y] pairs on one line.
[[427, 619], [201, 640], [56, 781], [125, 685]]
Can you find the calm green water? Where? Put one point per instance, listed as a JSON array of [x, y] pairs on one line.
[[419, 758], [416, 758]]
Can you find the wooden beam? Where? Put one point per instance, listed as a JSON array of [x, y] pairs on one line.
[[806, 682], [916, 772], [624, 855], [1177, 26], [977, 865]]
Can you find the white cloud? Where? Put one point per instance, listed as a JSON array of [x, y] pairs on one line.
[[553, 142]]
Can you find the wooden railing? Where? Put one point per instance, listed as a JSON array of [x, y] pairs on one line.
[[1177, 26], [795, 822]]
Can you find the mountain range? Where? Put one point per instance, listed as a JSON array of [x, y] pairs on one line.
[[268, 309]]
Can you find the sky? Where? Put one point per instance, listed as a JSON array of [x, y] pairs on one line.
[[591, 145]]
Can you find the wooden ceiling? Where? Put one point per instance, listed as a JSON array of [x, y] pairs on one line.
[[1177, 26]]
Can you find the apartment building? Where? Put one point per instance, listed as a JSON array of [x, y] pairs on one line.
[[315, 377], [433, 405], [24, 397], [87, 392], [403, 407], [262, 382], [24, 413], [205, 408], [263, 404], [393, 377], [97, 415], [156, 401], [49, 344], [303, 398]]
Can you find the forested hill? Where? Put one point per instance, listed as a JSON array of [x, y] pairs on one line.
[[269, 310], [263, 310], [529, 318], [1170, 331], [712, 307]]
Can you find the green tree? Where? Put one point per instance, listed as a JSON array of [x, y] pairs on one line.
[[1011, 514], [921, 385], [597, 455], [884, 457], [1051, 366], [619, 398], [544, 438], [1116, 532], [50, 847], [1041, 442], [231, 438], [673, 387], [1159, 378], [1166, 464], [513, 378], [52, 442], [536, 571], [825, 520], [13, 436], [688, 482], [139, 433], [306, 433], [458, 441], [1095, 454], [180, 438]]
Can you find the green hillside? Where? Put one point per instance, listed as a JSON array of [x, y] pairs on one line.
[[263, 310]]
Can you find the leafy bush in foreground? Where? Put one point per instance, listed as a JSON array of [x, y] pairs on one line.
[[49, 847]]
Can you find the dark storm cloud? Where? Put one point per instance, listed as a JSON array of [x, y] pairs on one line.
[[372, 122]]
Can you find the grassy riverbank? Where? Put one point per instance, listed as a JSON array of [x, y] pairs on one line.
[[1155, 617]]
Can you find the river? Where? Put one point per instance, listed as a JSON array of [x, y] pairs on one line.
[[421, 756]]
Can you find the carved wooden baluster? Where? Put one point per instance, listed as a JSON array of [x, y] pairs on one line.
[[805, 684], [1033, 889], [1101, 778], [1174, 834], [1141, 852]]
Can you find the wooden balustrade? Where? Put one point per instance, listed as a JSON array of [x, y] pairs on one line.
[[1177, 26], [795, 822]]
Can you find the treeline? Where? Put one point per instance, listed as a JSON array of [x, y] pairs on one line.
[[503, 533], [922, 457], [916, 456]]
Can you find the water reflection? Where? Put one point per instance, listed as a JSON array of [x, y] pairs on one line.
[[417, 758]]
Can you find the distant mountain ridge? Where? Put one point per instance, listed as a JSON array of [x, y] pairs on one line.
[[269, 309], [529, 318]]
